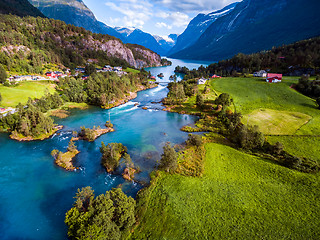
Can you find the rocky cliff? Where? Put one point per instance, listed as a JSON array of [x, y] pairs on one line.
[[137, 56]]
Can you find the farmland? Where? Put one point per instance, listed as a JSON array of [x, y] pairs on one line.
[[11, 96]]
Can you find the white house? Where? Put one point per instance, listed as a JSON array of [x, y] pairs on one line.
[[202, 81], [261, 73]]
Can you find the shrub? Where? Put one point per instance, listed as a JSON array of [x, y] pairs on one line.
[[195, 140], [168, 160]]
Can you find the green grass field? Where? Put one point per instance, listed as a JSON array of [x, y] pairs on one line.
[[11, 96], [252, 94], [239, 197], [274, 122], [308, 147], [131, 70]]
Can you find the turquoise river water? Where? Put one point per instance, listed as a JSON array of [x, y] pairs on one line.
[[35, 194]]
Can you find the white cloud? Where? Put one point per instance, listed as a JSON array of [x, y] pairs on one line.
[[163, 25], [193, 5], [178, 19], [136, 13]]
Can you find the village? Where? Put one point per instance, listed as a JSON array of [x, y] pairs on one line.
[[55, 76]]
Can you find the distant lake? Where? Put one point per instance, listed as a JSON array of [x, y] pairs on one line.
[[35, 194], [169, 70]]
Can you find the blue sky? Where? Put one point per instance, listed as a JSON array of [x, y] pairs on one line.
[[159, 17]]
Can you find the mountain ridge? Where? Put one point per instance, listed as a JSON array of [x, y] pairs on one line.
[[20, 8], [75, 12], [197, 26], [253, 26]]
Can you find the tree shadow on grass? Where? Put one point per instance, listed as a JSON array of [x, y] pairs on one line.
[[312, 106]]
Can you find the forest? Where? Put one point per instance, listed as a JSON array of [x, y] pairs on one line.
[[295, 59], [29, 43]]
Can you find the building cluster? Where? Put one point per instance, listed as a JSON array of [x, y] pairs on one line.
[[270, 77], [118, 70], [5, 111], [57, 74], [54, 75]]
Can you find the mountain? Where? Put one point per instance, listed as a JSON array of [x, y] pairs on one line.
[[105, 29], [255, 25], [73, 12], [40, 41], [197, 26], [136, 36], [166, 42], [174, 37], [19, 7]]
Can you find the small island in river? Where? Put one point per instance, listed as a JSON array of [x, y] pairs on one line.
[[92, 134], [65, 160]]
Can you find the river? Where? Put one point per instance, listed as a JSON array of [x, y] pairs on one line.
[[35, 194]]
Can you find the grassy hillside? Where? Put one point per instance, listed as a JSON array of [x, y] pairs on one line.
[[300, 146], [296, 113], [11, 96], [239, 197]]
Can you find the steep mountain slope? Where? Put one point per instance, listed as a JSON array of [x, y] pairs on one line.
[[166, 42], [197, 26], [255, 25], [41, 41], [19, 7], [105, 29], [174, 37], [73, 12]]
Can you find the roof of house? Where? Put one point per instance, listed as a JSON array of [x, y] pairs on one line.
[[274, 75]]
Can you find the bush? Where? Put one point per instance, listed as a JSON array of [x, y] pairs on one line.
[[169, 157], [195, 140], [200, 100], [224, 99]]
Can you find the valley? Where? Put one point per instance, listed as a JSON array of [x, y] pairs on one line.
[[102, 137]]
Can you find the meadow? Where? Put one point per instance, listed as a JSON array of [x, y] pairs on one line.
[[301, 146], [11, 96], [239, 197], [295, 113]]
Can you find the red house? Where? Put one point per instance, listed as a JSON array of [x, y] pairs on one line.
[[274, 77], [51, 74], [215, 76]]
